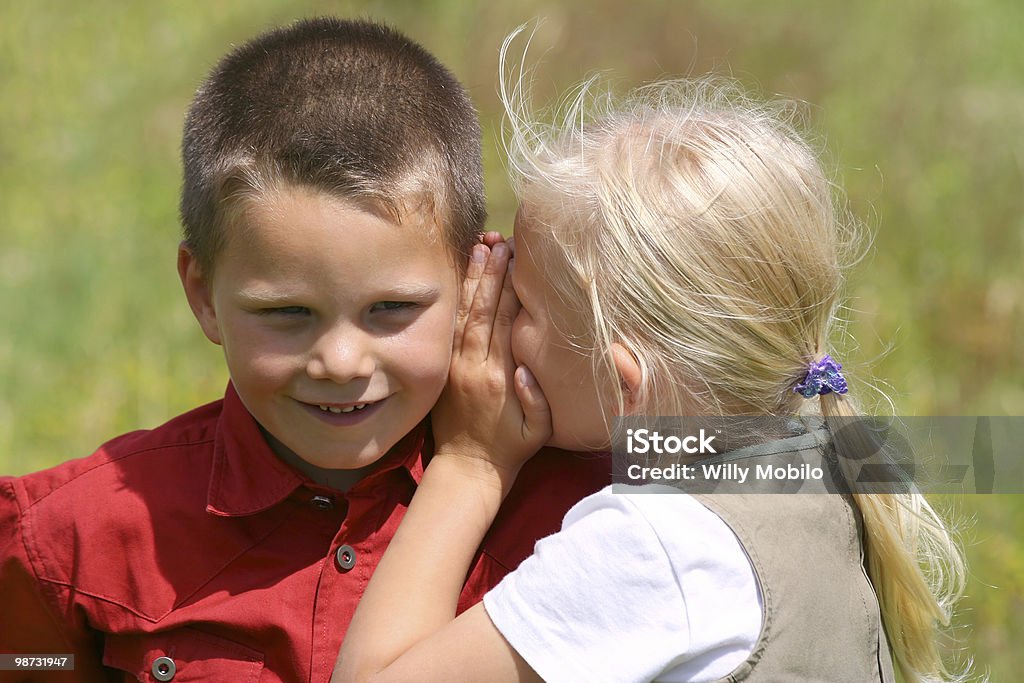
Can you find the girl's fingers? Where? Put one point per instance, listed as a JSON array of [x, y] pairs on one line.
[[504, 317], [491, 238], [474, 271], [476, 337], [536, 411]]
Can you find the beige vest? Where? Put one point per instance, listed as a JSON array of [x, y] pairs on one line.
[[821, 617]]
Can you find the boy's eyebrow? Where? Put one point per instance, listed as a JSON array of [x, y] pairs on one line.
[[411, 290], [264, 296]]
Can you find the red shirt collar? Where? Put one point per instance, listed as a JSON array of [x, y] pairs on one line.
[[247, 476]]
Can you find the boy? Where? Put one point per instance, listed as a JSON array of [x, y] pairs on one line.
[[332, 192]]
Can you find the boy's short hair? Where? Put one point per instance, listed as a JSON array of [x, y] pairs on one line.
[[351, 108]]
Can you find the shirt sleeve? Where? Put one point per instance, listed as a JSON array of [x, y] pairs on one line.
[[29, 622], [606, 598]]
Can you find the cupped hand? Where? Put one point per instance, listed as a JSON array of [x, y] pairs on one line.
[[490, 410]]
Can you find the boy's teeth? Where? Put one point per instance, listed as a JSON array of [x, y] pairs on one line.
[[358, 406]]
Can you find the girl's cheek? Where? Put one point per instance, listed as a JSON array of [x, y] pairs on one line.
[[518, 343]]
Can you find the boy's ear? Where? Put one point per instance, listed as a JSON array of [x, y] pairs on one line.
[[630, 375], [197, 291]]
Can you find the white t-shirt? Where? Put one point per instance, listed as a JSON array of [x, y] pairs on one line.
[[635, 587]]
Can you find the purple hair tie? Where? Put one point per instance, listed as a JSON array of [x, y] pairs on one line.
[[823, 377]]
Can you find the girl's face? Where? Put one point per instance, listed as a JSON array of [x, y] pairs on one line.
[[540, 342]]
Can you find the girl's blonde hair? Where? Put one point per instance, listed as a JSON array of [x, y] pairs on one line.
[[695, 227]]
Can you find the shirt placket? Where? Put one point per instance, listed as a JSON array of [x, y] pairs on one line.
[[372, 516]]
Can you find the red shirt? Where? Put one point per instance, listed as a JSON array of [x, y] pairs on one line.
[[193, 541]]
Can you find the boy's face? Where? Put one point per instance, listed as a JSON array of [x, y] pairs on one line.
[[336, 323]]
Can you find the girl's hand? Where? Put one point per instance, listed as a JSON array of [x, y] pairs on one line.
[[491, 411]]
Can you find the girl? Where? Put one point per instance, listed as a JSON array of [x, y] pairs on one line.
[[677, 254]]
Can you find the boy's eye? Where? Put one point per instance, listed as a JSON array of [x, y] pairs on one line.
[[285, 310], [392, 306]]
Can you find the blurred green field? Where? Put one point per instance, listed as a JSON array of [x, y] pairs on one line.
[[920, 105]]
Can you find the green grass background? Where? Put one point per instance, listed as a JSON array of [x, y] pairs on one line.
[[920, 105]]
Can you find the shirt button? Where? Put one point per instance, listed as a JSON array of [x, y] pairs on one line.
[[345, 557], [163, 668], [321, 503]]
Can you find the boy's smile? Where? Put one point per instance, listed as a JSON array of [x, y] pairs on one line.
[[336, 323]]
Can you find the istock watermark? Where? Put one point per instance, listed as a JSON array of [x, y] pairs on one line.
[[642, 441], [865, 454]]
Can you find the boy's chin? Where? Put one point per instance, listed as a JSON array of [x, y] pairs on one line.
[[329, 467], [339, 471]]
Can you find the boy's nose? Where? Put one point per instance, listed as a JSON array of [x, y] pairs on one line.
[[341, 355]]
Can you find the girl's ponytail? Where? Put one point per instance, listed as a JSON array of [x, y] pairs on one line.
[[913, 561]]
